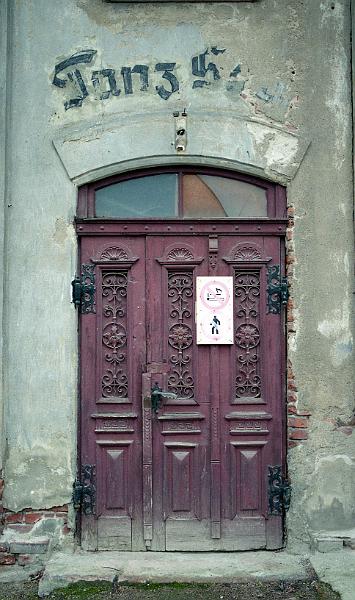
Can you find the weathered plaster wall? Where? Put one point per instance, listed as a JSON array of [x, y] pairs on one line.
[[3, 191], [284, 82], [323, 469]]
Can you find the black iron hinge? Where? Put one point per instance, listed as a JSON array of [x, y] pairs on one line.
[[277, 289], [279, 491], [84, 490], [83, 289]]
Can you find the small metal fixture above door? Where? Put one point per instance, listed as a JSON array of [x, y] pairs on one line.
[[180, 131]]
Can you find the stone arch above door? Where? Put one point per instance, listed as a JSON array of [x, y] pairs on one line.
[[92, 150]]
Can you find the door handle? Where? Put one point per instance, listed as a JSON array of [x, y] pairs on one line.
[[157, 395]]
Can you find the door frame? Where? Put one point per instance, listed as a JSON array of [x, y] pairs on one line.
[[273, 225]]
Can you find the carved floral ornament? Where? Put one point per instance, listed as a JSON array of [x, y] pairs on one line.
[[115, 254], [179, 254], [246, 252], [180, 337], [247, 334], [114, 381]]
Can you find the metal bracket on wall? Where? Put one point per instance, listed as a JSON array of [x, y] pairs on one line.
[[83, 289], [279, 491], [84, 492], [277, 290]]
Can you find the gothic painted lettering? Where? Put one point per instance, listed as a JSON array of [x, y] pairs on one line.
[[81, 81]]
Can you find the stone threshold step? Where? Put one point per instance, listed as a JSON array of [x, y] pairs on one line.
[[166, 567]]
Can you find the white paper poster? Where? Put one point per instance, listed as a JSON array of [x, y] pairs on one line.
[[214, 310]]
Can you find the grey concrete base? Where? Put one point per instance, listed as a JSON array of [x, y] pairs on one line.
[[63, 569], [17, 574], [337, 569], [331, 541]]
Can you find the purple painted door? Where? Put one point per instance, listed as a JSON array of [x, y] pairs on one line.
[[192, 476]]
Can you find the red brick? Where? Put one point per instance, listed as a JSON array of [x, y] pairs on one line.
[[2, 485], [66, 529], [19, 528], [348, 430], [289, 234], [25, 559], [291, 396], [298, 422], [293, 444], [33, 517], [14, 518], [291, 386], [298, 434], [63, 508], [7, 559], [292, 409], [63, 516], [4, 547]]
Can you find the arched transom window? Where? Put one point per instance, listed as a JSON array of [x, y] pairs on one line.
[[183, 194]]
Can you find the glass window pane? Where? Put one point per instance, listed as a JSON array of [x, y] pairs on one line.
[[208, 196], [144, 197]]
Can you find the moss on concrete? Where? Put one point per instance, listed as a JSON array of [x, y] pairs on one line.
[[103, 590]]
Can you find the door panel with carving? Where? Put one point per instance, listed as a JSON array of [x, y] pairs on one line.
[[192, 474], [112, 360]]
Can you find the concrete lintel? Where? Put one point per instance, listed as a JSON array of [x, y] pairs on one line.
[[92, 150]]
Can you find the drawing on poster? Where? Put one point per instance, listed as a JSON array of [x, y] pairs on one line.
[[214, 310], [215, 325]]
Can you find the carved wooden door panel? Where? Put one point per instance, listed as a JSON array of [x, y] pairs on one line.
[[112, 361], [194, 474], [181, 428], [213, 443]]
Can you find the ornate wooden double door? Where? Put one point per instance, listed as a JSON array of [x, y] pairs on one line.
[[187, 470]]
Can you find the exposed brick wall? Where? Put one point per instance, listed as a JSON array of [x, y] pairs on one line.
[[297, 420], [24, 551]]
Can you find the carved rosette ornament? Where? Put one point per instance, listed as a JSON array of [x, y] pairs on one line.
[[247, 334], [114, 382], [180, 296], [180, 336]]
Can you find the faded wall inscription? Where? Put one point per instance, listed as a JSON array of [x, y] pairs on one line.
[[108, 82]]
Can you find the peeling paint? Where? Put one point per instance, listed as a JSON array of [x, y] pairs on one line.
[[329, 502], [62, 229], [338, 322], [338, 90]]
